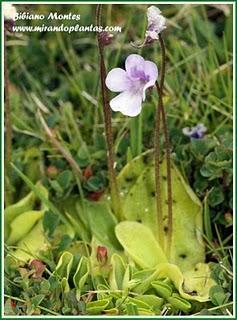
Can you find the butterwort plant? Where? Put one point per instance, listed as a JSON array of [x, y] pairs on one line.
[[131, 83]]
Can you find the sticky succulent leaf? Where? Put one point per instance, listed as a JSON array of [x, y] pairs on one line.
[[102, 223], [81, 275], [132, 170], [112, 312], [131, 309], [145, 312], [33, 242], [144, 280], [198, 280], [139, 303], [139, 205], [127, 284], [64, 265], [117, 272], [25, 204], [96, 307], [146, 254], [151, 300], [22, 225], [103, 291], [193, 284], [163, 289], [179, 303], [65, 286]]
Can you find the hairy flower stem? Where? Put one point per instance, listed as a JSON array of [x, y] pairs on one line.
[[167, 147], [108, 123], [8, 126], [158, 174]]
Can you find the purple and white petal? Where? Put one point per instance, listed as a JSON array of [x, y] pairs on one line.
[[152, 13], [153, 35], [9, 11], [128, 103], [150, 69], [117, 80], [151, 72], [134, 66], [156, 22]]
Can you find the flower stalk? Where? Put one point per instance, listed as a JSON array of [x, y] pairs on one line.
[[158, 174], [162, 117], [115, 197]]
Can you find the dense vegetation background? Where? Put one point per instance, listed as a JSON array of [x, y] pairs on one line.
[[58, 73]]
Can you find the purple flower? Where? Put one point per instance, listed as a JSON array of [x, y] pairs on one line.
[[196, 132], [9, 11], [139, 74], [156, 23]]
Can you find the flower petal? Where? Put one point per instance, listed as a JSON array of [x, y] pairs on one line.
[[152, 13], [117, 80], [128, 103], [134, 65], [153, 35], [156, 22], [151, 70]]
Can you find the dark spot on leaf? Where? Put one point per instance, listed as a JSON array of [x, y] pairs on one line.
[[146, 159], [183, 256], [196, 269], [37, 204], [131, 194], [129, 179], [153, 193], [165, 229], [164, 177], [139, 220]]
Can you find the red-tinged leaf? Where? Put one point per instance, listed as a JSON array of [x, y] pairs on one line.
[[13, 304], [87, 173], [95, 196]]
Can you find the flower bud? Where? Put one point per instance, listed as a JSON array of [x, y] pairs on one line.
[[38, 268], [106, 38], [52, 171], [102, 254]]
